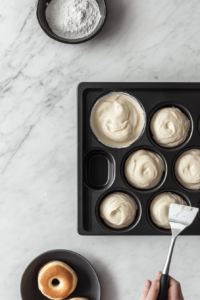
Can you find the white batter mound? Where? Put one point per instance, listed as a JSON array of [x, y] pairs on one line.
[[117, 120], [187, 169], [118, 210], [159, 208], [169, 127], [144, 169]]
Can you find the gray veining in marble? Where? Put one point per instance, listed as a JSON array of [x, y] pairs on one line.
[[143, 40]]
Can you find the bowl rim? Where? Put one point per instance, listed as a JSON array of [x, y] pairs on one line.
[[77, 41]]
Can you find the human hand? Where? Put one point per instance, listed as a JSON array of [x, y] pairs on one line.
[[151, 289], [174, 290]]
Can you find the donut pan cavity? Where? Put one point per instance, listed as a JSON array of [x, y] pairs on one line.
[[101, 168]]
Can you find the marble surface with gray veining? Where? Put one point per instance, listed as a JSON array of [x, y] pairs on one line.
[[143, 40]]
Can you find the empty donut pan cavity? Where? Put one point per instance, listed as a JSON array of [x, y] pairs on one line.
[[101, 168]]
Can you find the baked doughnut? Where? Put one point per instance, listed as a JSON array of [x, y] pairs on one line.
[[56, 280]]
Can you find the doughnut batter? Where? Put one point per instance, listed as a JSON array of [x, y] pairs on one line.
[[117, 120], [159, 208], [187, 169], [169, 127], [144, 169], [118, 210]]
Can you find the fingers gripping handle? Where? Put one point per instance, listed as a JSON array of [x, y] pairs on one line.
[[164, 284]]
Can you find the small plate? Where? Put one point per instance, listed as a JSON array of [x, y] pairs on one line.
[[88, 283]]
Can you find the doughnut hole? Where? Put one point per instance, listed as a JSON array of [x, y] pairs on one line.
[[148, 214], [168, 105], [121, 230], [55, 282]]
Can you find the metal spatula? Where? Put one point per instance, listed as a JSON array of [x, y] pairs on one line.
[[180, 217]]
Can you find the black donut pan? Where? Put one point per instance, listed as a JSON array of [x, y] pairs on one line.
[[100, 168]]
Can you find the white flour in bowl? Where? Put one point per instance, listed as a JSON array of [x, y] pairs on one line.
[[73, 19]]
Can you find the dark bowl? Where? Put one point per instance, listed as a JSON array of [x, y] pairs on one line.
[[88, 283], [41, 8]]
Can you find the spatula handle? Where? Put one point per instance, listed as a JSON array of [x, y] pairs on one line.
[[164, 284]]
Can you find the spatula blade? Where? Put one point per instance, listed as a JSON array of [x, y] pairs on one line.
[[182, 214]]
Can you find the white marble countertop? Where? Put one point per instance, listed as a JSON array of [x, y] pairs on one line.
[[142, 41]]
